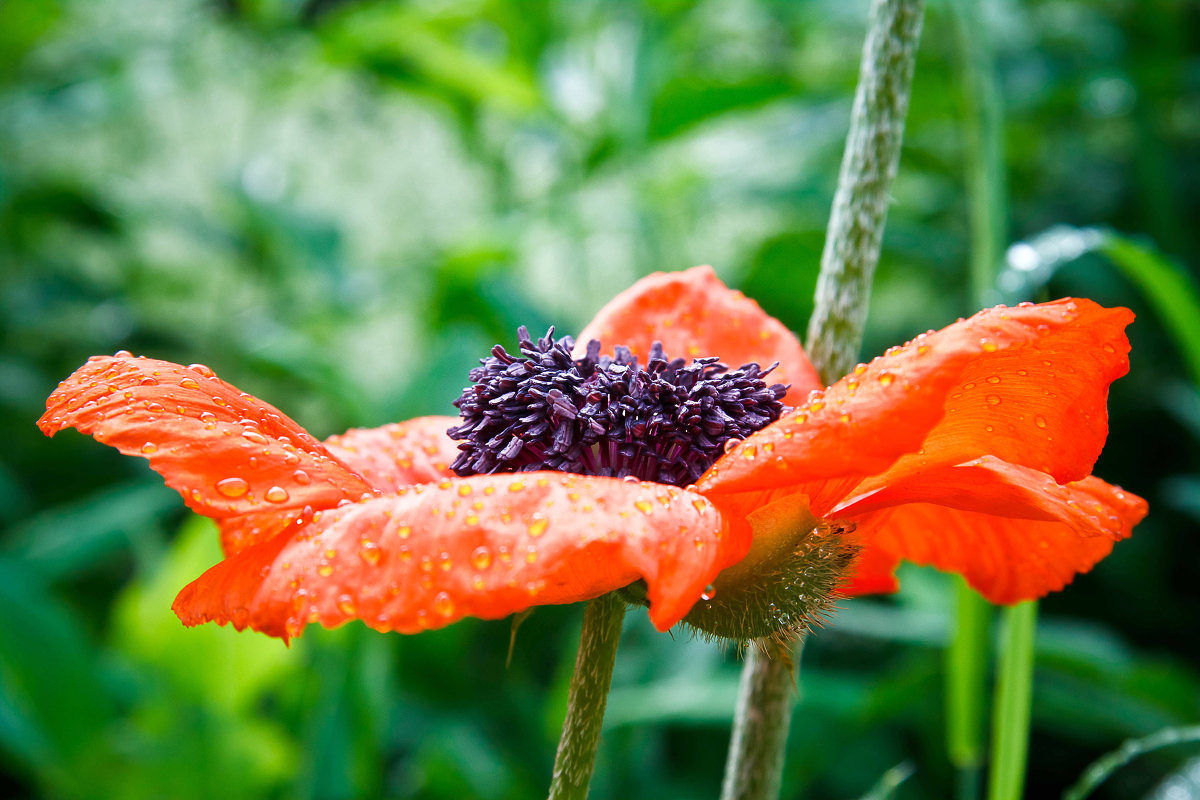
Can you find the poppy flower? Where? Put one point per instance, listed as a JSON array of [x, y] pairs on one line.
[[574, 474]]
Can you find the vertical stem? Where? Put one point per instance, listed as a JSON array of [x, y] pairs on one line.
[[1014, 693], [855, 233], [966, 687], [983, 148], [754, 766], [576, 755], [852, 244], [983, 163]]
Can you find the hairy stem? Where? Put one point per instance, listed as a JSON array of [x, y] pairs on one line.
[[855, 232], [754, 768], [588, 696]]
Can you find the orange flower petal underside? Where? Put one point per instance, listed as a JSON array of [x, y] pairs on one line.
[[226, 452], [415, 451], [485, 546], [1014, 533], [1027, 384], [694, 315]]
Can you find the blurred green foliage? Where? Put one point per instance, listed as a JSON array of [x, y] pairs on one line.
[[339, 206]]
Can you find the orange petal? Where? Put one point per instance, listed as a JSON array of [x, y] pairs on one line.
[[1014, 533], [226, 452], [401, 454], [485, 546], [1028, 385], [694, 315]]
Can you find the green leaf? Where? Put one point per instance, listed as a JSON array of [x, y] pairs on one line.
[[54, 706], [1106, 765]]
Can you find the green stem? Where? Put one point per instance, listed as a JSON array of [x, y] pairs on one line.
[[966, 688], [983, 149], [983, 162], [1014, 694], [754, 767], [588, 696], [852, 244], [855, 233]]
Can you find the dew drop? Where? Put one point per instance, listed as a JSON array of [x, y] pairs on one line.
[[325, 571], [122, 354], [276, 494], [987, 346], [731, 443], [254, 436], [516, 486], [993, 399], [538, 526], [481, 557], [531, 556], [148, 381], [202, 370], [154, 407], [301, 477], [1040, 421], [345, 604], [233, 487], [643, 506], [709, 592], [749, 452], [631, 479], [370, 553], [444, 562], [149, 447], [886, 379]]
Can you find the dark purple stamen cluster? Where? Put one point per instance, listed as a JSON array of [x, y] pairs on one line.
[[602, 415]]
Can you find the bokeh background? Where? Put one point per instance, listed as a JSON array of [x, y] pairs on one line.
[[340, 206]]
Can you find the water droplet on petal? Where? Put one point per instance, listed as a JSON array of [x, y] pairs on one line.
[[538, 526], [202, 370], [149, 447], [709, 592], [644, 506], [631, 479], [370, 553], [148, 381], [1040, 421], [345, 604], [233, 487], [276, 494], [254, 436], [481, 557], [993, 399], [886, 379], [730, 444]]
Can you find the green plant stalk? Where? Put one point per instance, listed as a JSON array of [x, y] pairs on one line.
[[983, 162], [852, 244], [754, 767], [983, 149], [1014, 694], [966, 687], [854, 236], [576, 757]]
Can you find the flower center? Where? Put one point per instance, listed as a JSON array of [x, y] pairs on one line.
[[599, 415]]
